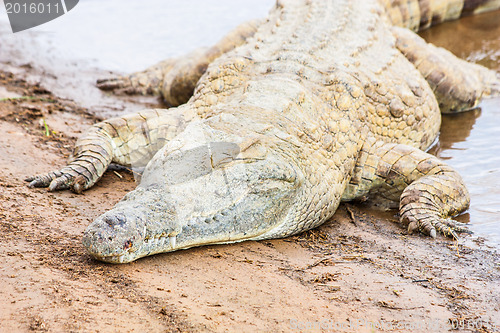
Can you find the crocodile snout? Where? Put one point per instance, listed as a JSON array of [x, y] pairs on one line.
[[113, 237]]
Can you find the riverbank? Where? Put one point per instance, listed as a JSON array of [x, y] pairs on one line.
[[359, 269]]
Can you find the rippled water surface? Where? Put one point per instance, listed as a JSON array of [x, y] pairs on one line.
[[127, 35]]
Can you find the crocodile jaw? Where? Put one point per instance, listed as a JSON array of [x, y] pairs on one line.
[[237, 202]]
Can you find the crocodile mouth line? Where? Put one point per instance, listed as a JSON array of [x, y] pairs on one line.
[[150, 245], [155, 245]]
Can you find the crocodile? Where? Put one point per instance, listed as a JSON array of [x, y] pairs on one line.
[[269, 130]]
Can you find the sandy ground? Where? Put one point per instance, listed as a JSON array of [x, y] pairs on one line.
[[359, 272]]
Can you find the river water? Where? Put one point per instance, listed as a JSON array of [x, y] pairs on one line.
[[126, 35]]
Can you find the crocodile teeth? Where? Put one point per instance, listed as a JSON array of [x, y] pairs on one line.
[[172, 240], [161, 242], [121, 258]]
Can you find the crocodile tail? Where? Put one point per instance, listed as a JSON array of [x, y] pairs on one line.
[[418, 15]]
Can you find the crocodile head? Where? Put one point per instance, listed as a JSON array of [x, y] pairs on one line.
[[213, 193]]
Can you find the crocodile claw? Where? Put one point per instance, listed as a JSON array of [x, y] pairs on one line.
[[121, 85], [57, 181], [43, 180], [446, 227], [141, 83], [112, 83]]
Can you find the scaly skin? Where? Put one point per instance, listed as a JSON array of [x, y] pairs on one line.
[[324, 102]]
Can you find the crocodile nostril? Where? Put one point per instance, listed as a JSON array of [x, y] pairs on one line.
[[113, 220]]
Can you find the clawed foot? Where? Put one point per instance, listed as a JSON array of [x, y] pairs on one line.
[[59, 180], [147, 82], [447, 227], [128, 85], [119, 84]]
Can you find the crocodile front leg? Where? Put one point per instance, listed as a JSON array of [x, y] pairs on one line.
[[429, 191], [130, 141], [174, 79]]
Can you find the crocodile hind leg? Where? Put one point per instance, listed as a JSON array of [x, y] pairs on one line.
[[130, 141], [429, 192], [146, 82], [458, 85], [174, 79]]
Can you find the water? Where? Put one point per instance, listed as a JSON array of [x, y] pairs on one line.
[[126, 35], [69, 53]]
